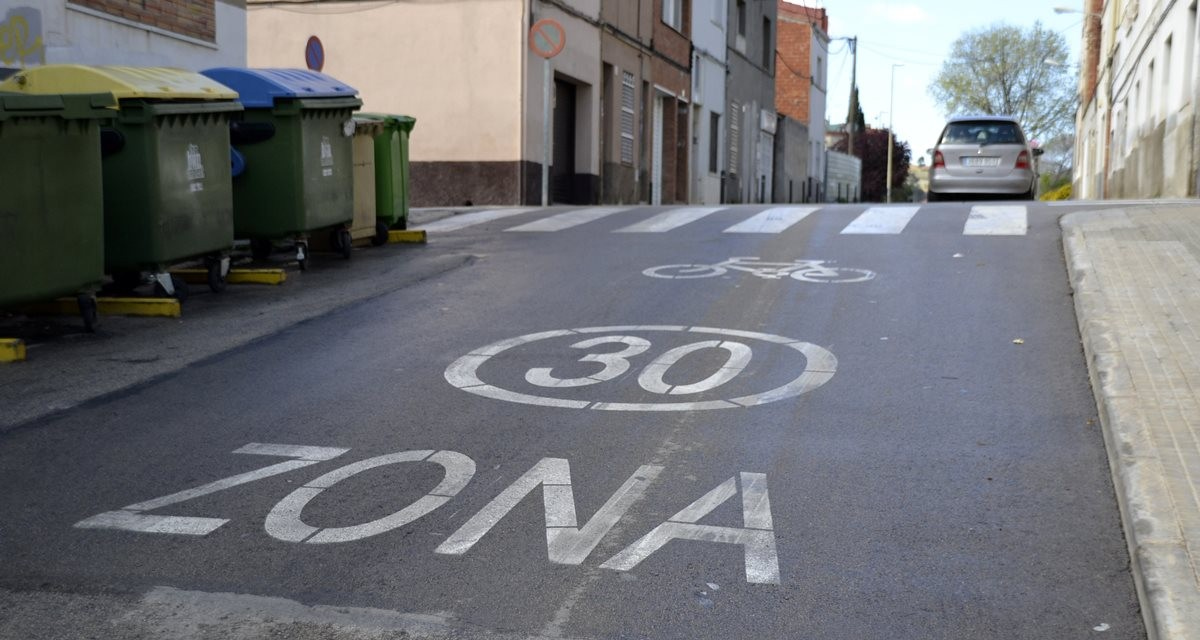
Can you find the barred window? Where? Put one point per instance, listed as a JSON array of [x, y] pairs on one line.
[[627, 117]]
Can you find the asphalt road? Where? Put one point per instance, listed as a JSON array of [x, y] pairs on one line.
[[910, 453]]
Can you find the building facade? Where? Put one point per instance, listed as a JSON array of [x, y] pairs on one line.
[[625, 53], [1136, 128], [708, 106], [801, 83], [750, 92], [190, 34]]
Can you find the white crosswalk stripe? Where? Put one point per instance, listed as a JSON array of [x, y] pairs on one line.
[[882, 220], [999, 220], [669, 220], [569, 219], [774, 220], [454, 223], [983, 220]]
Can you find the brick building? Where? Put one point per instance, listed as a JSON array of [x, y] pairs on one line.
[[800, 82]]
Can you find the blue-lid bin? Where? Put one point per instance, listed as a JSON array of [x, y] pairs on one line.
[[261, 88]]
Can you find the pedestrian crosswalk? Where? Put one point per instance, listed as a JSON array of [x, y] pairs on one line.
[[981, 220]]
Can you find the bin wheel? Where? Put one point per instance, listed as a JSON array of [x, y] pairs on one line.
[[381, 234], [261, 249], [181, 289], [127, 281], [216, 280], [88, 312], [403, 224], [342, 242]]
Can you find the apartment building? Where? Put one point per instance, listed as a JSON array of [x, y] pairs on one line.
[[750, 92], [1136, 127], [801, 85]]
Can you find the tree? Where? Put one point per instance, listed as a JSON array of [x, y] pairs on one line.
[[871, 147], [1006, 70]]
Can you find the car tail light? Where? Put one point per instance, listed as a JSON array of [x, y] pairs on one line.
[[939, 161], [1023, 160]]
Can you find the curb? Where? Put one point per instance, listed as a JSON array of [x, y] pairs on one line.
[[1159, 559]]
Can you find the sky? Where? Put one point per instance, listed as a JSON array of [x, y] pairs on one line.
[[918, 35]]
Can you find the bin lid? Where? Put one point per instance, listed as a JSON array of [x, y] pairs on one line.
[[260, 88], [153, 83], [401, 122], [67, 107]]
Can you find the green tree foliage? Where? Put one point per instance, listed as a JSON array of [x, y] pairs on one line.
[[1006, 70], [871, 147]]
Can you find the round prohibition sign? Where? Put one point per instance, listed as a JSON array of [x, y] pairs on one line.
[[547, 38], [820, 365]]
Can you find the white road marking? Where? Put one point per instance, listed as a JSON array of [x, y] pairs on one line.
[[130, 518], [462, 221], [669, 220], [820, 366], [565, 542], [569, 219], [998, 220], [774, 220], [283, 522], [651, 378], [881, 220], [757, 538]]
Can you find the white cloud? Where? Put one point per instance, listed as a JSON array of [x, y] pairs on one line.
[[899, 13]]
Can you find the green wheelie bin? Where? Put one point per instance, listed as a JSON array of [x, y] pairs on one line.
[[52, 206], [168, 190], [294, 138], [391, 169]]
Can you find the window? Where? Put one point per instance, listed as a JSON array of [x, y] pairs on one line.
[[673, 14], [714, 136], [628, 99], [768, 47], [717, 17], [741, 18]]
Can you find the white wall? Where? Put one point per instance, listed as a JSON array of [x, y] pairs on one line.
[[63, 33], [816, 105], [708, 95], [456, 67]]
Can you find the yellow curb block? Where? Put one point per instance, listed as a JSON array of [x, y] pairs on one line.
[[141, 307], [410, 235], [12, 350], [235, 276]]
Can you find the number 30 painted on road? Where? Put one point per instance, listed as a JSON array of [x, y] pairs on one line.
[[819, 367]]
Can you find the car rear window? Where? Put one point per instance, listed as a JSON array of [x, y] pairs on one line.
[[982, 132]]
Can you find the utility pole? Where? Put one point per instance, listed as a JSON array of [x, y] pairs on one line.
[[852, 118]]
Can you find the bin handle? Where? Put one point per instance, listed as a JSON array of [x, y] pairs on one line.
[[237, 162], [242, 132], [111, 141]]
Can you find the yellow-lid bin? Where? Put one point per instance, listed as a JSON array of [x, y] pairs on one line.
[[147, 83]]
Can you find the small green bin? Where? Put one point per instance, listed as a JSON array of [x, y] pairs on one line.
[[295, 140], [168, 190], [51, 207], [391, 169]]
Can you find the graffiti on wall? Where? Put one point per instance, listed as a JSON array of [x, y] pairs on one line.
[[21, 37]]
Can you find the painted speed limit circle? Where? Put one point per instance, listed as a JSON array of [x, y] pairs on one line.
[[629, 352]]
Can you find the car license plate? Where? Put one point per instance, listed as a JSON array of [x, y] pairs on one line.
[[981, 161]]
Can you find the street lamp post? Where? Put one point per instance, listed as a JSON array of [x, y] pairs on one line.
[[891, 110]]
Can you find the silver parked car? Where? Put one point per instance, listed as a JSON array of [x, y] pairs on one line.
[[983, 155]]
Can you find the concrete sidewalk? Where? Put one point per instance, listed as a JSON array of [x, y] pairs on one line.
[[1136, 276]]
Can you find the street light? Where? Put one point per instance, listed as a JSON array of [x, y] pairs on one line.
[[891, 110]]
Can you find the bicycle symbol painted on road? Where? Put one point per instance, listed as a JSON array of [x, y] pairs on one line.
[[817, 271]]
